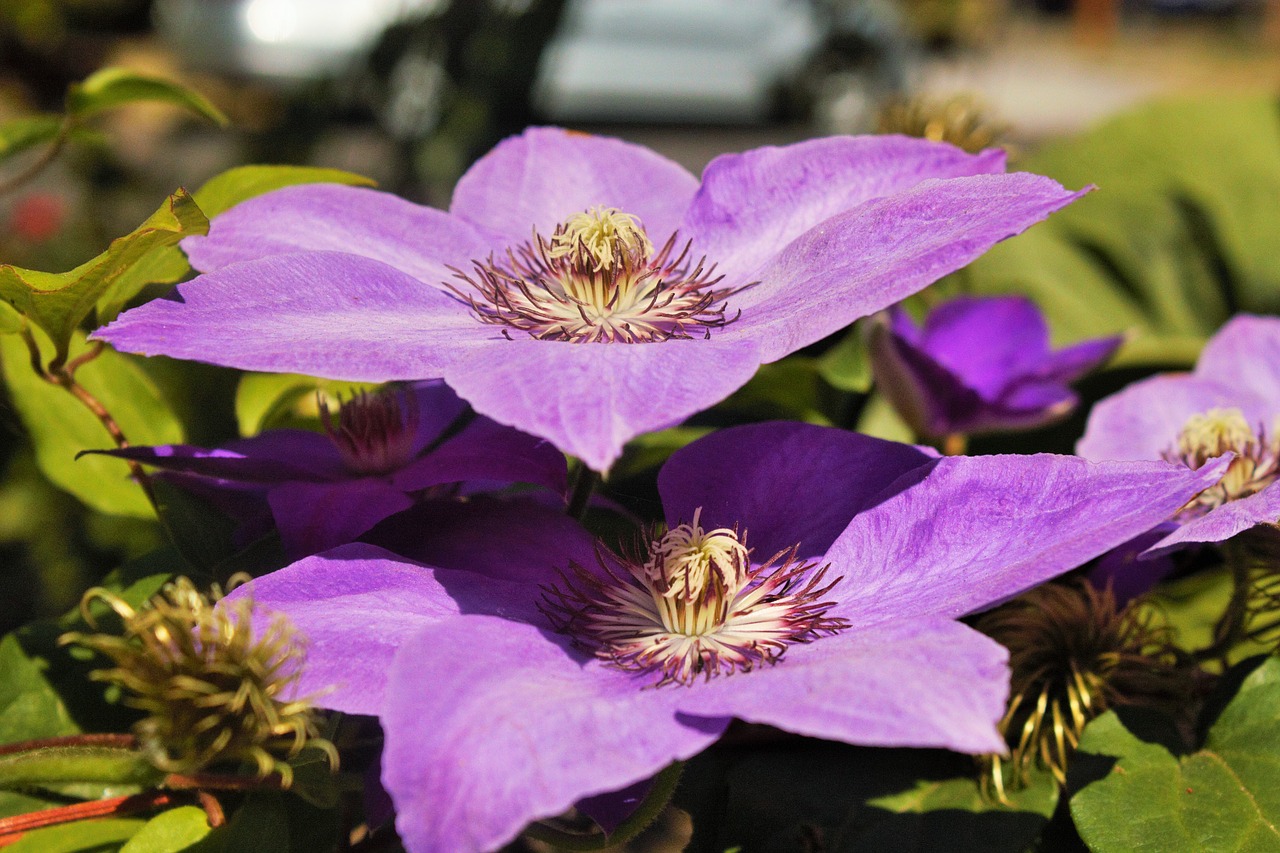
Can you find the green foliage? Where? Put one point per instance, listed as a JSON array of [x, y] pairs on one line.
[[170, 832], [20, 134], [59, 302], [114, 87], [1182, 232], [29, 707], [278, 400], [61, 765], [86, 836], [61, 426], [1193, 605], [846, 366], [1225, 796], [233, 186]]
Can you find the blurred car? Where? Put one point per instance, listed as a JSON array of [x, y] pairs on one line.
[[720, 61]]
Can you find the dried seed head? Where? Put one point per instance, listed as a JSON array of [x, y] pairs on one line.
[[210, 686], [961, 120], [1073, 654]]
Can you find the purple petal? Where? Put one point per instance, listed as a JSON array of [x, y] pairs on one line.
[[517, 540], [438, 408], [1245, 354], [924, 683], [1144, 420], [1223, 522], [282, 455], [930, 398], [1070, 363], [356, 605], [590, 399], [314, 517], [753, 204], [736, 476], [987, 341], [864, 260], [609, 810], [545, 175], [1128, 575], [322, 314], [491, 725], [976, 531], [416, 240], [484, 450]]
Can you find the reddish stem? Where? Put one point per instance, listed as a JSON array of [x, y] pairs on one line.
[[12, 828]]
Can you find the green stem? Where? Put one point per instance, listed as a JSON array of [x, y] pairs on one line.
[[659, 796], [584, 485], [42, 162]]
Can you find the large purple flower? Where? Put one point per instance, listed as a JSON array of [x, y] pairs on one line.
[[582, 288], [1229, 404], [381, 452], [978, 365], [508, 692]]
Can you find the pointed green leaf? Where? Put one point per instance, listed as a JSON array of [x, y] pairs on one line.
[[57, 302], [170, 832], [112, 87], [1226, 796], [60, 426], [244, 182], [85, 836], [29, 707], [19, 134]]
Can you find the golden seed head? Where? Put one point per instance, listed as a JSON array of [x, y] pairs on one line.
[[961, 120], [210, 686]]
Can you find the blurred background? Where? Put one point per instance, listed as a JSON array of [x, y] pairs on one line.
[[409, 92]]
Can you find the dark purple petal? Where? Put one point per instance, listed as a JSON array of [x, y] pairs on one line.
[[314, 517], [517, 539], [245, 504], [284, 456], [484, 450], [930, 398], [976, 531], [1070, 363], [753, 204], [545, 175], [866, 259], [987, 341], [438, 408], [1245, 354], [322, 314], [1127, 573], [591, 399], [416, 240], [1223, 522], [923, 683], [1145, 419], [356, 605], [491, 724], [783, 483], [611, 809]]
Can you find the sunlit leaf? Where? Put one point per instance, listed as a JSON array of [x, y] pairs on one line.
[[85, 836], [29, 707], [170, 832], [244, 182], [113, 87], [275, 400]]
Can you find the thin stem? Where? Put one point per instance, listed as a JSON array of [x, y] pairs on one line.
[[119, 741], [1230, 627], [12, 827], [42, 162], [584, 485], [222, 782], [659, 797]]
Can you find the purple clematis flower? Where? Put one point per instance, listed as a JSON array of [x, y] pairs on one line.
[[978, 365], [380, 454], [585, 289], [1228, 405], [809, 579]]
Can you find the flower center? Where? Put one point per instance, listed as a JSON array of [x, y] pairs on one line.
[[1215, 432], [694, 607], [375, 432], [597, 279]]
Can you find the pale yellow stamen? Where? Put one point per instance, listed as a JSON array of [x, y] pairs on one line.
[[1216, 432], [1220, 431], [604, 236], [688, 560]]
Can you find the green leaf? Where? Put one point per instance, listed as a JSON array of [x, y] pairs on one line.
[[61, 426], [58, 302], [276, 400], [791, 389], [647, 452], [85, 836], [52, 766], [1193, 605], [846, 365], [879, 420], [113, 87], [29, 707], [17, 135], [160, 265], [170, 832], [1226, 796], [12, 803], [244, 182]]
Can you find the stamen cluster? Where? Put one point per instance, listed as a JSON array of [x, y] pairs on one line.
[[210, 688], [1219, 431], [694, 606], [597, 279], [374, 432]]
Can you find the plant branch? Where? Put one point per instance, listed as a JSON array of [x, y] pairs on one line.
[[50, 153]]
